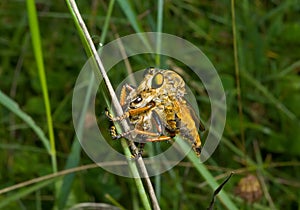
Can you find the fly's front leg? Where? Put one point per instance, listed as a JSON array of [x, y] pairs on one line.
[[116, 119], [130, 113], [134, 131], [123, 95], [115, 135]]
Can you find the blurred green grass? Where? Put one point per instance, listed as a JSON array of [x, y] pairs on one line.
[[268, 50]]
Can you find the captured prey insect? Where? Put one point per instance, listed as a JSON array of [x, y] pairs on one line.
[[157, 110]]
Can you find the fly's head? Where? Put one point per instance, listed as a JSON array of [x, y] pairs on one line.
[[156, 86]]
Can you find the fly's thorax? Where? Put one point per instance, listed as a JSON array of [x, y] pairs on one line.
[[174, 84], [164, 81]]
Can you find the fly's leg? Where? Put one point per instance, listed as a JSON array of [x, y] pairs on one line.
[[141, 148], [128, 114], [136, 152], [136, 155], [155, 137], [140, 145], [159, 138], [115, 135], [131, 113], [126, 88], [123, 95], [116, 119]]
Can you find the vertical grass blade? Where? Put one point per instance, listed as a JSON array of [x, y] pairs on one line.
[[237, 74], [37, 48], [132, 17], [107, 19], [160, 8]]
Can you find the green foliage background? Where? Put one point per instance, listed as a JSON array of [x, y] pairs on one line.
[[265, 141]]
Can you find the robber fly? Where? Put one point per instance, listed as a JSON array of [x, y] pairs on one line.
[[157, 110]]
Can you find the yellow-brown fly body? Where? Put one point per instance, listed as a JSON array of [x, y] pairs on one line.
[[157, 109]]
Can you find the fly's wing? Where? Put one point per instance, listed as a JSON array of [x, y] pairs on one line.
[[194, 116], [157, 121]]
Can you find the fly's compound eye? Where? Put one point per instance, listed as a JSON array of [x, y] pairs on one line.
[[157, 80]]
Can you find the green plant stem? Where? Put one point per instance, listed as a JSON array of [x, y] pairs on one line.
[[74, 157], [99, 65], [200, 167], [36, 42]]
